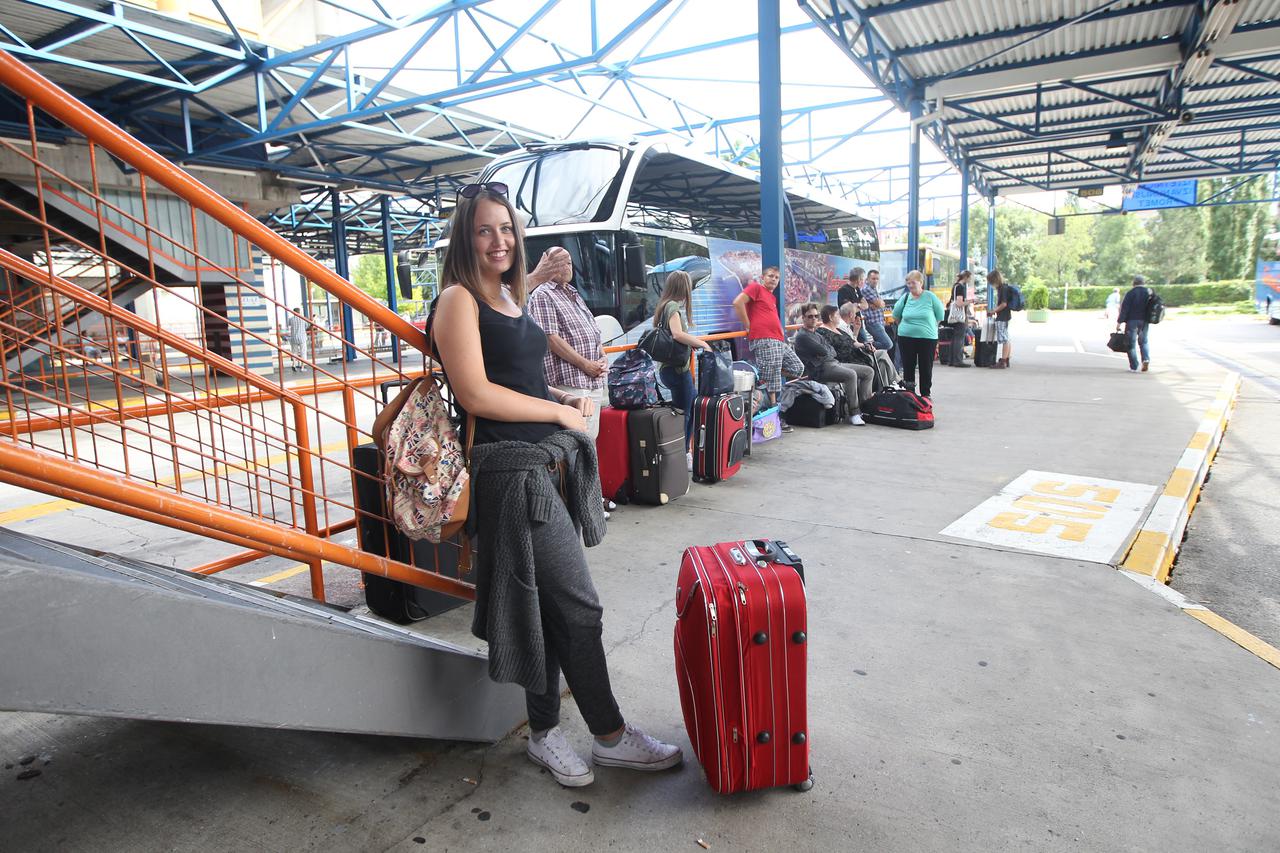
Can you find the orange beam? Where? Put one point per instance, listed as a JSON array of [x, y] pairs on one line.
[[31, 468], [200, 403], [61, 105], [242, 557], [107, 308]]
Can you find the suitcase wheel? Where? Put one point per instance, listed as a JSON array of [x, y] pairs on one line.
[[807, 784]]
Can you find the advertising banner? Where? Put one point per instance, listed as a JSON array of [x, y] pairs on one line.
[[807, 277]]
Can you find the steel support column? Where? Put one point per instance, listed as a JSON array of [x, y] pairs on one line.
[[770, 51], [913, 189], [964, 215], [389, 260], [342, 268], [991, 246]]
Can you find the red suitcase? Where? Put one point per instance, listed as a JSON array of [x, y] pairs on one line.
[[720, 436], [741, 651], [613, 448]]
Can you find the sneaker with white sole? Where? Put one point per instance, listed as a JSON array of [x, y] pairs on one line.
[[555, 753], [637, 751], [857, 420]]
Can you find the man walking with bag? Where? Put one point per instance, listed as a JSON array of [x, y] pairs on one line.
[[1133, 316]]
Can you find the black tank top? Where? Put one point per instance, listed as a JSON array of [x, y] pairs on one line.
[[513, 349]]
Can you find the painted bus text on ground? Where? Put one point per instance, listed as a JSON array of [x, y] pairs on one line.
[[1085, 518]]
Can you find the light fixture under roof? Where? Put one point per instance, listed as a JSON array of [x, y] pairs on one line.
[[1115, 140]]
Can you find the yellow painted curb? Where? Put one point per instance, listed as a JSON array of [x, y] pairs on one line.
[[1155, 546], [1237, 635]]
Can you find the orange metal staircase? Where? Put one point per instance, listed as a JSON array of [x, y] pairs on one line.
[[174, 427]]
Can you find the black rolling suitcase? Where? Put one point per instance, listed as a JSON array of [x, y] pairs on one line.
[[946, 336], [400, 602], [658, 470]]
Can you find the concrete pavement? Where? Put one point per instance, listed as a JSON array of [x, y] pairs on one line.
[[963, 695]]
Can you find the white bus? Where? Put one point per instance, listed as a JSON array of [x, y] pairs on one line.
[[631, 212]]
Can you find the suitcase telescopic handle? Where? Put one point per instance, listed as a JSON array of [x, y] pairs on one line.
[[681, 608]]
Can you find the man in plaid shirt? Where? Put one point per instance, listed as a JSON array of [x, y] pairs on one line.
[[575, 363], [873, 311]]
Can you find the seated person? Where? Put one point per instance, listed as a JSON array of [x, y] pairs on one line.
[[820, 363], [866, 346], [840, 336]]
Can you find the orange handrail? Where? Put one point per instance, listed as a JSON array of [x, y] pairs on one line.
[[107, 308], [28, 467], [58, 103]]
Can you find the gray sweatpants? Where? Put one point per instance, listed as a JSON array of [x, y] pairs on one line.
[[572, 629], [857, 380]]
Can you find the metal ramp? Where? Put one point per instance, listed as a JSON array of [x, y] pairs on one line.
[[101, 635]]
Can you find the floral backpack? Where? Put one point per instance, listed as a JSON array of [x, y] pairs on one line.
[[427, 480], [633, 382]]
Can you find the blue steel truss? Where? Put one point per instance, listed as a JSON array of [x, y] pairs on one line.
[[225, 99], [1152, 121]]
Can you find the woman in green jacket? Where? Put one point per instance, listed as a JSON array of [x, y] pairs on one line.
[[918, 314]]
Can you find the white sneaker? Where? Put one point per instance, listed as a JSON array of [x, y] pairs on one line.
[[857, 420], [554, 753], [637, 751]]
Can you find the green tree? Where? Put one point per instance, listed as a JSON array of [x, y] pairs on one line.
[[1017, 230], [1118, 241], [1175, 248], [1064, 258], [1235, 230], [370, 275]]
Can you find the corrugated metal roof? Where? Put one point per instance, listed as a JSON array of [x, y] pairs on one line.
[[1025, 91]]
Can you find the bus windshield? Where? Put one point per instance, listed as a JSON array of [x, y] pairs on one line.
[[563, 185]]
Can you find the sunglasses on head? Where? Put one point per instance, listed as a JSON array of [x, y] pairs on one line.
[[473, 190]]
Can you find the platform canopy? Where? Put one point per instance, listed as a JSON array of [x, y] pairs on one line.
[[1072, 94]]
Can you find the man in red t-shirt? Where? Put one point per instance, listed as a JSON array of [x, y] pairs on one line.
[[757, 310]]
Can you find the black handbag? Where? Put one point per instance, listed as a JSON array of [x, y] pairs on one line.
[[1118, 342], [662, 347]]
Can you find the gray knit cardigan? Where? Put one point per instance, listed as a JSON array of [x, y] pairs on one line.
[[511, 495]]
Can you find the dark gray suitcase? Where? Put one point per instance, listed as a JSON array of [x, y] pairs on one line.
[[399, 602], [659, 473]]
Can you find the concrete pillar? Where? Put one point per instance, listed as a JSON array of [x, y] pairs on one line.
[[771, 197]]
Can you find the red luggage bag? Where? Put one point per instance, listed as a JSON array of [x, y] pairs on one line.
[[720, 436], [613, 448], [741, 649]]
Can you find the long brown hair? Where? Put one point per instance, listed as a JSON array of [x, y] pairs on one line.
[[462, 260], [678, 288], [995, 278]]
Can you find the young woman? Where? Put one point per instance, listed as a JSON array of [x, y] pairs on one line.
[[492, 353], [918, 314], [674, 308], [959, 306]]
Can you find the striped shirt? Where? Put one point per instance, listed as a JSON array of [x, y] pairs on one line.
[[559, 310]]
